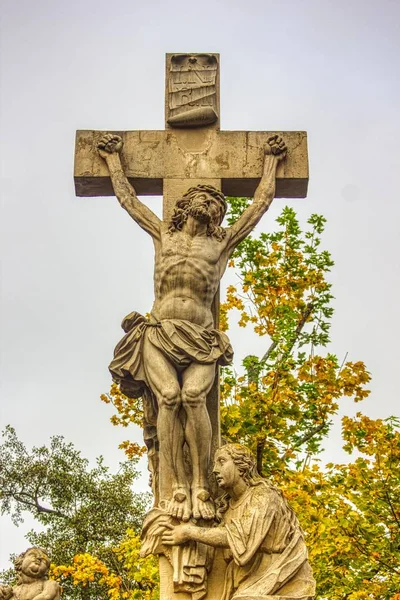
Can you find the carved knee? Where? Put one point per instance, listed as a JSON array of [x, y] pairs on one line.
[[170, 398], [192, 398]]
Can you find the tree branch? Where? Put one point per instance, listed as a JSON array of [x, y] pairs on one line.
[[300, 325], [260, 452], [391, 507], [269, 352], [309, 434], [27, 500]]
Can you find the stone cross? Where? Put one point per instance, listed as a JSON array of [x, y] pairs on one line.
[[192, 150]]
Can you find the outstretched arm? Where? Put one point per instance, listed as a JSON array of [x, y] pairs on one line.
[[265, 192], [109, 148]]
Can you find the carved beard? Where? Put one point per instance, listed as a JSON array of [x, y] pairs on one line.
[[200, 212]]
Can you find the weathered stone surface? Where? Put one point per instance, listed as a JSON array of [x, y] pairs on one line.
[[32, 569], [192, 90], [261, 538], [234, 157], [171, 359]]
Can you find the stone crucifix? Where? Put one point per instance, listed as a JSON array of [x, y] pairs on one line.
[[172, 358]]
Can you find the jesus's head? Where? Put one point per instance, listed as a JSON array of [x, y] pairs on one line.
[[205, 203]]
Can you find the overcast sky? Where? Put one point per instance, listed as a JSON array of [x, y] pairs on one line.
[[71, 268]]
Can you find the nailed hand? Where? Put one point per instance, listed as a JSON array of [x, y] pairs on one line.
[[109, 144], [276, 146]]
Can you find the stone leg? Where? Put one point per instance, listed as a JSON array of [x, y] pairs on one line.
[[197, 381], [173, 484]]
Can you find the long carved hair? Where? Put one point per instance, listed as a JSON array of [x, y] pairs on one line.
[[182, 208], [247, 467]]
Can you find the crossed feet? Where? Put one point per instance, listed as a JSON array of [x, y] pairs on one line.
[[198, 504]]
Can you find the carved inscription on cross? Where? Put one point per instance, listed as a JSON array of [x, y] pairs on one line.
[[192, 150]]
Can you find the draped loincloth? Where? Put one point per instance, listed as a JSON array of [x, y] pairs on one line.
[[181, 342]]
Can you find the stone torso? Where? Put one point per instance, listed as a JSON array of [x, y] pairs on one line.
[[28, 591], [186, 276], [262, 500], [267, 555]]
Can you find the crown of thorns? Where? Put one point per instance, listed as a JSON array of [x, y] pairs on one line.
[[209, 189]]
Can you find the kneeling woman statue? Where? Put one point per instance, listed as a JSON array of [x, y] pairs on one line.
[[262, 540]]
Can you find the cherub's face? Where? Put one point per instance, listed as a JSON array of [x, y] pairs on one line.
[[35, 564], [226, 472]]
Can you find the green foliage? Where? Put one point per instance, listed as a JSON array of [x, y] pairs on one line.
[[82, 509]]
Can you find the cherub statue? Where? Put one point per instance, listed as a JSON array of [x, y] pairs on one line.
[[32, 568]]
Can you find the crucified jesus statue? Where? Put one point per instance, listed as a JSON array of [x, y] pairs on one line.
[[172, 356]]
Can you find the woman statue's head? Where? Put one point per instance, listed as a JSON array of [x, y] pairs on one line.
[[231, 462]]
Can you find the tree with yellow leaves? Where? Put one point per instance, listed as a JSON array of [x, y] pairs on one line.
[[282, 407], [127, 576], [351, 513], [282, 403]]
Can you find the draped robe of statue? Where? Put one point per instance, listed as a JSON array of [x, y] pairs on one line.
[[267, 556]]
